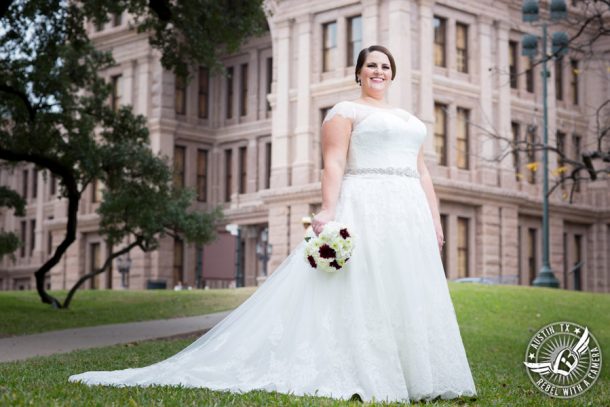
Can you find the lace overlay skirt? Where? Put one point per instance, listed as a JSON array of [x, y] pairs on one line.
[[384, 327]]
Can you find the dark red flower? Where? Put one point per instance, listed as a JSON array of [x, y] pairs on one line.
[[312, 261], [344, 233], [335, 264], [327, 252], [347, 259]]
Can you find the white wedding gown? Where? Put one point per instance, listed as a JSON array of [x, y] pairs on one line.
[[384, 327]]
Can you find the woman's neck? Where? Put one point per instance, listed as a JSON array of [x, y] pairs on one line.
[[373, 100]]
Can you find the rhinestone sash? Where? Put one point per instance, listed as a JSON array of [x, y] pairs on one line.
[[404, 171]]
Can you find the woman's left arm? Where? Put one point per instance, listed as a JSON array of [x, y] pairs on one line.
[[426, 183]]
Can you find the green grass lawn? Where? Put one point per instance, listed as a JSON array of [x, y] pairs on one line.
[[23, 313], [496, 324]]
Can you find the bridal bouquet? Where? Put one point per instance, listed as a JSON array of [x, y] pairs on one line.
[[331, 249]]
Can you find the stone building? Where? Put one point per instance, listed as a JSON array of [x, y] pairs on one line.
[[250, 141]]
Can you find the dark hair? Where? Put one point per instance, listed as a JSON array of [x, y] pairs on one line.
[[365, 53]]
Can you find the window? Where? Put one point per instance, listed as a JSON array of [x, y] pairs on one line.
[[574, 80], [53, 186], [354, 39], [243, 167], [269, 81], [180, 93], [529, 76], [576, 144], [561, 147], [178, 272], [559, 78], [440, 40], [516, 130], [22, 237], [228, 174], [531, 254], [204, 92], [24, 184], [531, 155], [462, 247], [329, 44], [117, 19], [49, 242], [461, 47], [463, 161], [444, 249], [512, 63], [267, 165], [577, 259], [34, 183], [202, 175], [116, 92], [96, 190], [323, 113], [179, 164], [244, 90], [32, 236], [229, 106], [95, 262], [98, 26], [440, 133]]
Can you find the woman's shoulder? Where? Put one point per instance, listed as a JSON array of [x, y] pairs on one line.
[[343, 108]]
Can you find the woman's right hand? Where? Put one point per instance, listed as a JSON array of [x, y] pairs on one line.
[[321, 219]]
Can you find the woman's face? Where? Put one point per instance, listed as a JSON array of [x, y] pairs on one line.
[[376, 73]]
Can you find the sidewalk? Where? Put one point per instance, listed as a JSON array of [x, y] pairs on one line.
[[48, 343]]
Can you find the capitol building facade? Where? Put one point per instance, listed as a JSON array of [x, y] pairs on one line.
[[249, 141]]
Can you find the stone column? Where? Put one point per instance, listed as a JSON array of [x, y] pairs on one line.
[[253, 85], [303, 166], [486, 143], [279, 234], [216, 166], [280, 128], [399, 42], [370, 22], [297, 231], [489, 249], [143, 96], [509, 258], [39, 250], [504, 111], [252, 166], [426, 61], [128, 68]]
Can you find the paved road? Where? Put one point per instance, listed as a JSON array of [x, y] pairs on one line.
[[48, 343]]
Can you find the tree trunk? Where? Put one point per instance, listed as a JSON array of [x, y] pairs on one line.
[[70, 184], [94, 273]]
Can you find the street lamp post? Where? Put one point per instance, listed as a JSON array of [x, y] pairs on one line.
[[124, 264], [558, 11], [263, 252], [235, 230]]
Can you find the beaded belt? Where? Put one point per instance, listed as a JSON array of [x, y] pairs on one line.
[[404, 171]]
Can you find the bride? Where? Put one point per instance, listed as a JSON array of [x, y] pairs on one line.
[[383, 327]]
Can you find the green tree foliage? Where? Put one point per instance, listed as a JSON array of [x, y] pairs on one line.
[[54, 114]]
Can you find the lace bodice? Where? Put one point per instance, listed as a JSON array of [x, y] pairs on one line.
[[381, 137]]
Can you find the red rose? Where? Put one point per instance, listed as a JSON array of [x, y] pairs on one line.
[[344, 233], [312, 261], [327, 252], [335, 264]]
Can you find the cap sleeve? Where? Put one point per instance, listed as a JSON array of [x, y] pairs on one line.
[[344, 109]]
